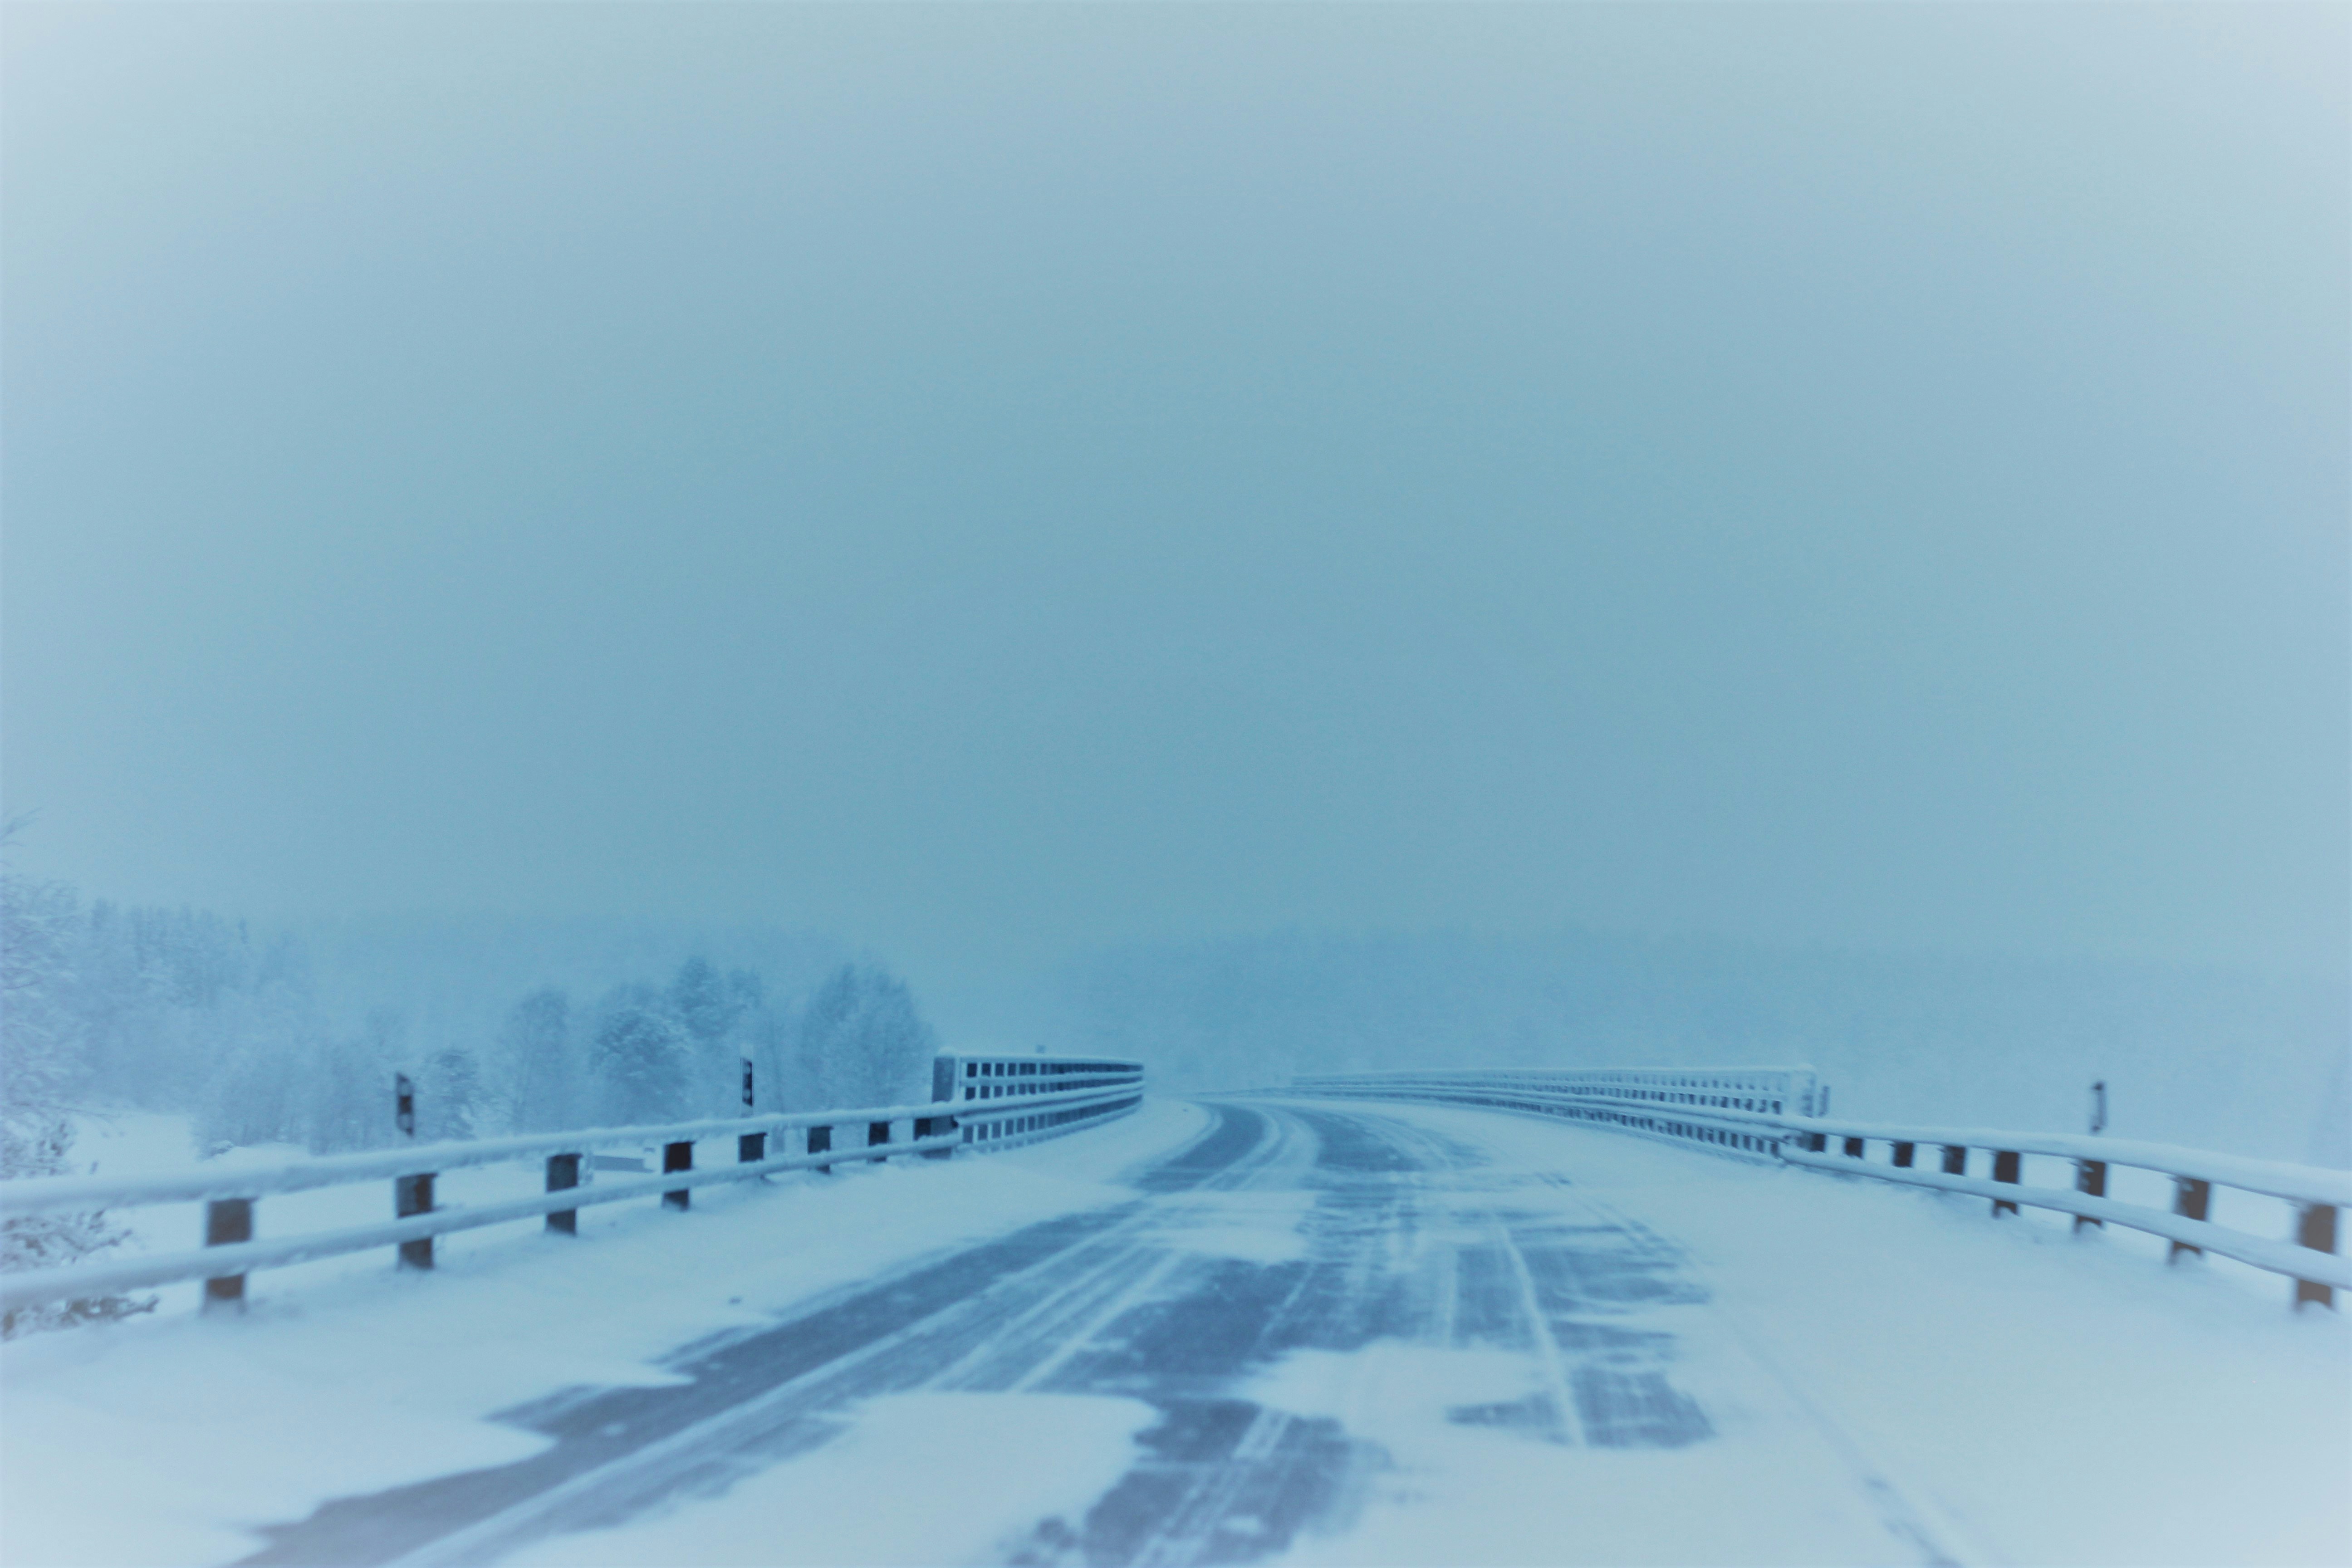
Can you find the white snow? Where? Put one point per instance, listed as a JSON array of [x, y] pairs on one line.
[[916, 1480], [163, 1438]]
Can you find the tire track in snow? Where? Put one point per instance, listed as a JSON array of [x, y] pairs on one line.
[[752, 1399]]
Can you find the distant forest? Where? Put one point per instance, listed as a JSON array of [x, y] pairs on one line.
[[517, 1025], [186, 1011]]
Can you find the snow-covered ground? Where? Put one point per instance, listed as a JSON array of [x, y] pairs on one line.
[[1878, 1365]]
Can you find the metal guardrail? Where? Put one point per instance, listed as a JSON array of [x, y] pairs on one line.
[[1780, 1114], [980, 1085], [827, 1138], [1732, 1110]]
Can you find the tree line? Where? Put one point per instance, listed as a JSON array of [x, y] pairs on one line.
[[104, 1005]]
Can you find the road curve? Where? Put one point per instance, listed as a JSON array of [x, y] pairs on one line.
[[1376, 1230]]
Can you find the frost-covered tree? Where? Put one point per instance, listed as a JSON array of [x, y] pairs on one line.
[[862, 1042], [720, 1015], [257, 1096], [348, 1101], [260, 1047], [448, 1097], [704, 1006], [39, 1034], [536, 1062], [640, 1060]]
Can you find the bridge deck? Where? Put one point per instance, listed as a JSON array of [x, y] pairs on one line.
[[1364, 1334]]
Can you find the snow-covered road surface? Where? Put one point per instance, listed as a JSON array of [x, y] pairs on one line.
[[1348, 1334]]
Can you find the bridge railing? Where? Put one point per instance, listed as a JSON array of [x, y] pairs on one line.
[[2315, 1192], [764, 1145], [1732, 1110], [1782, 1114], [1003, 1100]]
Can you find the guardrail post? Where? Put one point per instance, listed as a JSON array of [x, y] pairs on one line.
[[820, 1142], [751, 1148], [1815, 1142], [878, 1136], [2091, 1180], [2315, 1226], [2004, 1168], [1956, 1158], [935, 1126], [1903, 1153], [677, 1157], [1854, 1148], [413, 1195], [2192, 1198], [227, 1221], [564, 1171]]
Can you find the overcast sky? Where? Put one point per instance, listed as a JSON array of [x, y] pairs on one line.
[[987, 480]]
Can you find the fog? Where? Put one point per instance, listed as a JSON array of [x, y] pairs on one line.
[[993, 485]]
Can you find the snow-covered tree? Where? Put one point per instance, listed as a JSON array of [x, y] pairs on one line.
[[448, 1097], [720, 1016], [349, 1099], [704, 1006], [862, 1042], [38, 1036], [536, 1062], [640, 1060]]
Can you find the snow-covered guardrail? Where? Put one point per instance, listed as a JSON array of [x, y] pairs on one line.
[[1735, 1110], [1781, 1113], [825, 1139], [980, 1085]]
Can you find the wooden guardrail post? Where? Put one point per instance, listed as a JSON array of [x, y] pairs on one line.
[[562, 1174], [1903, 1154], [2004, 1168], [878, 1136], [227, 1221], [1854, 1148], [820, 1142], [2315, 1226], [677, 1157], [1956, 1158], [2192, 1198], [2091, 1181], [413, 1195]]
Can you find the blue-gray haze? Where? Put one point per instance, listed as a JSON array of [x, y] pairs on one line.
[[989, 483]]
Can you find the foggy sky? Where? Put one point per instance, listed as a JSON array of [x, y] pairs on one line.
[[984, 482]]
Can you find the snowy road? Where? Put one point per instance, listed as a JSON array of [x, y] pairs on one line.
[[1325, 1231], [1242, 1332]]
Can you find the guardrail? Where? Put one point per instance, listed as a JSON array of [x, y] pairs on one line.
[[980, 1084], [1735, 1110], [1782, 1114], [230, 1253]]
